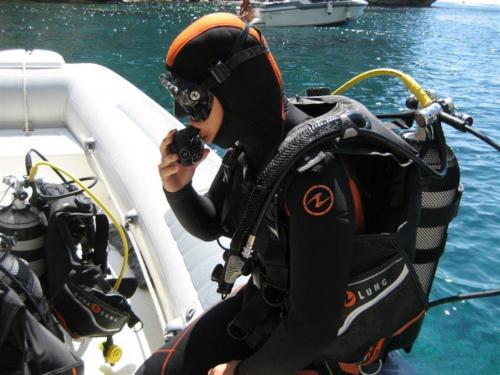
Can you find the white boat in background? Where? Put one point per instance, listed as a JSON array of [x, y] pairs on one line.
[[88, 120], [307, 12]]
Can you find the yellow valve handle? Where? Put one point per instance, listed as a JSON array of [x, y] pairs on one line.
[[412, 85], [33, 172]]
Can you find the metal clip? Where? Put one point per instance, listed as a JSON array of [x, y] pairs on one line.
[[247, 252]]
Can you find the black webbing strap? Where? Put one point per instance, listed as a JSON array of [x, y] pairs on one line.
[[100, 254], [222, 70], [423, 256], [436, 217], [254, 311]]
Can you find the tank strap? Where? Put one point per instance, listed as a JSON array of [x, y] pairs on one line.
[[435, 217], [100, 254]]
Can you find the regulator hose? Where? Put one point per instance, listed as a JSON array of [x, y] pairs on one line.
[[423, 98], [298, 142], [32, 173], [463, 297]]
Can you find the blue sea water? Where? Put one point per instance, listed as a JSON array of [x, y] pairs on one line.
[[450, 48]]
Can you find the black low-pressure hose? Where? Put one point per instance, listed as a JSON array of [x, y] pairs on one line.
[[463, 297], [29, 163], [463, 123], [443, 153], [482, 137]]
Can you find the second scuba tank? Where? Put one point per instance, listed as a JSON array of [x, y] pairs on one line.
[[24, 223], [440, 200]]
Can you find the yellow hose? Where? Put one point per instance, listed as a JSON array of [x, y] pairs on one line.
[[412, 85], [106, 210]]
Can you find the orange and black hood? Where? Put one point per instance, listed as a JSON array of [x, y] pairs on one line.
[[251, 94]]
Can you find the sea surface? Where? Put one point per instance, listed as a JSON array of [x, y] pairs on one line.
[[451, 48]]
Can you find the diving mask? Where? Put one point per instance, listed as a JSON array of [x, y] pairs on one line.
[[190, 99]]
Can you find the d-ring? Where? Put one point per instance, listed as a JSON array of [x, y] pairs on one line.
[[379, 368]]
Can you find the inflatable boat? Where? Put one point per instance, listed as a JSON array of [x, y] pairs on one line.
[[85, 120], [88, 120]]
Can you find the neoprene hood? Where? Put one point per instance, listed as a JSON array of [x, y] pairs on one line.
[[251, 95]]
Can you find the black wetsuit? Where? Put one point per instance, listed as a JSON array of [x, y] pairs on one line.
[[319, 211]]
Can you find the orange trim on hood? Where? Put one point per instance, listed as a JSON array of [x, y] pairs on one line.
[[202, 25]]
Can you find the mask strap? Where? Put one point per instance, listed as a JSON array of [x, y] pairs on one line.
[[222, 70]]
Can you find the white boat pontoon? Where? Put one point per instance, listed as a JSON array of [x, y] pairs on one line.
[[90, 121], [307, 12]]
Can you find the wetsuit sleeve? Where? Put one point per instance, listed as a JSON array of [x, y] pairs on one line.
[[320, 240], [199, 214]]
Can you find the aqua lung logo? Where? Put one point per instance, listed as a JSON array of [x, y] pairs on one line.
[[318, 200], [350, 299], [372, 290], [364, 293], [95, 308]]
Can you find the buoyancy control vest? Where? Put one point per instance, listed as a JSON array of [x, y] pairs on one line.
[[76, 263], [394, 259], [74, 291]]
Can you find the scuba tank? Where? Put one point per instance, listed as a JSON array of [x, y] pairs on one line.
[[439, 202], [25, 224]]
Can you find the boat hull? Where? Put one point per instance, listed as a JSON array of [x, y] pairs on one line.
[[314, 14], [411, 3]]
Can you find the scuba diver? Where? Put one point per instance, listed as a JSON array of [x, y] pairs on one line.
[[319, 213], [322, 203]]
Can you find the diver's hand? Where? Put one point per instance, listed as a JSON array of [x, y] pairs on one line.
[[174, 176], [224, 369]]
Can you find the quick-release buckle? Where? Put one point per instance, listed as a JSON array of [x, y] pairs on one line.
[[220, 71], [236, 332]]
